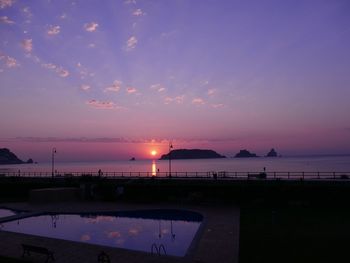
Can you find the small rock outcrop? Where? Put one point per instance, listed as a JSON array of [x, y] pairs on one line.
[[245, 154], [272, 153]]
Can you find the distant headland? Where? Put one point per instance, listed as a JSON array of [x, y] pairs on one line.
[[191, 154], [8, 157], [245, 154]]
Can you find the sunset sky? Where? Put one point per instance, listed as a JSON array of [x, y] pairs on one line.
[[105, 80]]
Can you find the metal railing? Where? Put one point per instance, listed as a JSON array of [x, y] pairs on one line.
[[214, 175]]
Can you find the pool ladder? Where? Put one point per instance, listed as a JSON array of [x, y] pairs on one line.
[[158, 249]]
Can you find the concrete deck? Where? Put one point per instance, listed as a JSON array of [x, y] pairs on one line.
[[218, 240]]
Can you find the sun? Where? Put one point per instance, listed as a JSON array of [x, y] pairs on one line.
[[153, 152]]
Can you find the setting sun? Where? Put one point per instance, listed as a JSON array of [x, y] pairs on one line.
[[153, 152]]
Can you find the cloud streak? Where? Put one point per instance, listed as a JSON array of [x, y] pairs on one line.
[[158, 87], [6, 20], [131, 43], [114, 140], [198, 101], [102, 105], [85, 87], [138, 12], [131, 90]]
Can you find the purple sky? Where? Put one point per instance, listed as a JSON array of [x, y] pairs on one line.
[[114, 79]]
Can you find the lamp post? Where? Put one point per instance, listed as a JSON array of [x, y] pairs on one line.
[[170, 147], [53, 161]]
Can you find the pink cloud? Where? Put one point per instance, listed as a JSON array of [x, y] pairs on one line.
[[198, 101], [131, 43], [138, 12], [53, 30], [211, 92], [177, 99], [27, 45], [85, 238], [157, 87], [115, 87], [131, 90], [6, 3], [91, 27], [62, 72], [85, 87], [114, 234], [10, 62]]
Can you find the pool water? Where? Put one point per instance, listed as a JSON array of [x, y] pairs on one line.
[[173, 230], [6, 212]]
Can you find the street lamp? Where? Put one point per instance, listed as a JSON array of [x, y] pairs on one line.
[[170, 147], [53, 161]]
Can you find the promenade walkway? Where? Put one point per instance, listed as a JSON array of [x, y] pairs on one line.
[[218, 240]]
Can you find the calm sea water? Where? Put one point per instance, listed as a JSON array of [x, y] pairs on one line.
[[280, 164]]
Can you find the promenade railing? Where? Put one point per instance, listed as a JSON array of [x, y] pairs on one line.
[[215, 175]]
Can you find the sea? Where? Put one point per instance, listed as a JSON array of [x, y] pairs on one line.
[[277, 164]]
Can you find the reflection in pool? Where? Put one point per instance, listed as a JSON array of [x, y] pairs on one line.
[[174, 230], [6, 212]]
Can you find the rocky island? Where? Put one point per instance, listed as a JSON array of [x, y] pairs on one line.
[[191, 154], [272, 153], [8, 157], [245, 154]]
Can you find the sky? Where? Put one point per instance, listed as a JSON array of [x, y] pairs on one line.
[[115, 79]]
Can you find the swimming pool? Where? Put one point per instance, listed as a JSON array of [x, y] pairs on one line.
[[168, 232]]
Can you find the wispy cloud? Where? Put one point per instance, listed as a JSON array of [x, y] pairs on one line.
[[164, 141], [158, 87], [211, 92], [28, 14], [131, 43], [10, 62], [49, 66], [6, 20], [103, 105], [220, 105], [83, 71], [91, 27], [53, 30], [128, 2], [131, 90], [198, 101], [85, 87], [138, 12], [115, 87], [177, 99], [27, 45], [62, 72], [59, 70], [6, 3], [92, 45]]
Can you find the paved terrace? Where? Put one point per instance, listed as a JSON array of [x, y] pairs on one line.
[[218, 240]]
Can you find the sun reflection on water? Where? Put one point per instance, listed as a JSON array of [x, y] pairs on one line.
[[154, 168]]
